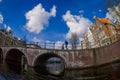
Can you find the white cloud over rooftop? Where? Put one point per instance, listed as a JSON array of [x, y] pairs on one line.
[[109, 16], [35, 39], [76, 24], [38, 18]]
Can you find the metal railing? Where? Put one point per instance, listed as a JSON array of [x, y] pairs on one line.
[[61, 45], [88, 45], [53, 45]]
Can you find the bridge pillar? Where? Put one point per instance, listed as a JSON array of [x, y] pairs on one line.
[[24, 63]]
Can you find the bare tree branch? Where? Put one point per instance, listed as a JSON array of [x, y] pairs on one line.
[[74, 40]]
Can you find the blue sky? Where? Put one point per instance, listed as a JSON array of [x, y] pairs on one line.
[[49, 20]]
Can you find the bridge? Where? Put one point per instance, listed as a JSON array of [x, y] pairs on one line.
[[71, 58]]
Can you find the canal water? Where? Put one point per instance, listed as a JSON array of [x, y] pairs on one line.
[[13, 71]]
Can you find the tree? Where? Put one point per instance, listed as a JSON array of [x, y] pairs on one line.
[[74, 40]]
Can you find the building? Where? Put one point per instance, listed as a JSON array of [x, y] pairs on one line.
[[90, 37], [7, 38], [115, 11], [95, 35], [104, 32], [88, 40], [117, 28], [83, 43]]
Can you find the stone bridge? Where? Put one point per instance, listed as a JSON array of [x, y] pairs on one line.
[[71, 58]]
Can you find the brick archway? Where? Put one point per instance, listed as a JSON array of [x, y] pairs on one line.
[[46, 56], [41, 61], [15, 55]]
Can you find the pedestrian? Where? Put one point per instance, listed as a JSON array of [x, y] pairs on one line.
[[66, 44], [63, 46]]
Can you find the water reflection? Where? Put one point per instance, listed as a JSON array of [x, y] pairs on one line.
[[55, 66], [13, 71]]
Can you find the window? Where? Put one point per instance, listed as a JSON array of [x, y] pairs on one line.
[[103, 32], [100, 26], [105, 24], [113, 32]]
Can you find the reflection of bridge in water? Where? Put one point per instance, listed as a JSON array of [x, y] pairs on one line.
[[38, 57]]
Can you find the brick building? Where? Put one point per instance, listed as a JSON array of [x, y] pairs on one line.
[[104, 31]]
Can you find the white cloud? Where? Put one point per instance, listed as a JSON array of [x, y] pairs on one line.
[[81, 11], [53, 11], [38, 18], [109, 16], [8, 28], [58, 45], [100, 10], [0, 0], [5, 26], [76, 23], [36, 39], [1, 19]]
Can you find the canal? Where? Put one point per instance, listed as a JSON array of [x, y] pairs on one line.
[[10, 70]]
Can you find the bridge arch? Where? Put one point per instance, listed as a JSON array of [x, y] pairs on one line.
[[41, 60], [17, 56]]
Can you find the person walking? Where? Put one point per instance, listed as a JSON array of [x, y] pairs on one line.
[[66, 44], [63, 46]]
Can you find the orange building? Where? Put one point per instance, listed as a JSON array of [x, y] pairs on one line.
[[104, 32]]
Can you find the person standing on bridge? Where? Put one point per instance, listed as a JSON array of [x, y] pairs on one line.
[[66, 44], [63, 46]]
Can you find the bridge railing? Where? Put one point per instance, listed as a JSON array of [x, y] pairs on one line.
[[61, 45], [53, 45]]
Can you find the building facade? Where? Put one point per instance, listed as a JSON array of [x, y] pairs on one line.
[[88, 40], [102, 33], [117, 28], [7, 39]]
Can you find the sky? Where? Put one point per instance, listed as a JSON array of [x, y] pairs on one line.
[[50, 20]]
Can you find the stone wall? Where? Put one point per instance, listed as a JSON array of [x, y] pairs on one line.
[[108, 53], [91, 57], [74, 59]]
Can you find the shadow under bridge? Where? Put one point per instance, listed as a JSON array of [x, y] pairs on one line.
[[49, 63], [15, 57]]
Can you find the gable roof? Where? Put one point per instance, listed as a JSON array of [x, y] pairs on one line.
[[103, 20]]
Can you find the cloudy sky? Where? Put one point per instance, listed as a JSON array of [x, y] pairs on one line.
[[49, 20]]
